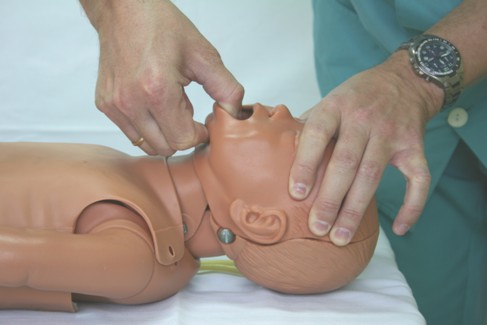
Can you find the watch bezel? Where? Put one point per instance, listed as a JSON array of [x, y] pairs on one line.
[[420, 66]]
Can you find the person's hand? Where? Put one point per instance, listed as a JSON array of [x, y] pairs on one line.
[[149, 51], [377, 117]]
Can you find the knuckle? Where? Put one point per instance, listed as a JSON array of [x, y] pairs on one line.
[[182, 141], [151, 152], [305, 169], [346, 160], [317, 130], [102, 104], [370, 170], [363, 115], [204, 56], [153, 87], [351, 216], [229, 92], [160, 148], [121, 101], [181, 145], [422, 177], [335, 101], [326, 207], [208, 55], [386, 131], [237, 93], [166, 152]]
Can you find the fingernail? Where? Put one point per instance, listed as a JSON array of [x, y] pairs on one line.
[[320, 227], [341, 236], [401, 229], [299, 191]]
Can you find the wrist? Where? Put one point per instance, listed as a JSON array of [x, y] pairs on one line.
[[438, 61], [430, 95]]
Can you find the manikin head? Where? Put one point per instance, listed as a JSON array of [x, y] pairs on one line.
[[244, 172]]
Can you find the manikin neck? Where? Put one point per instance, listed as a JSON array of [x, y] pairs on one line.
[[200, 238]]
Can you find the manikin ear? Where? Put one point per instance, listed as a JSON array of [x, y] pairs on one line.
[[261, 225]]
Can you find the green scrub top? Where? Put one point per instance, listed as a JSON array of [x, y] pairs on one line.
[[352, 36]]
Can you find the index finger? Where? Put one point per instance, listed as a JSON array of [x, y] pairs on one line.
[[318, 130]]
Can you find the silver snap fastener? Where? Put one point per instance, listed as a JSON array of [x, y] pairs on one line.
[[226, 236]]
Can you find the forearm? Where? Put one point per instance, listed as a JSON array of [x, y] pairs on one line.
[[104, 12], [466, 28], [109, 14]]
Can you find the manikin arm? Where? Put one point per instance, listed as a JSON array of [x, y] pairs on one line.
[[114, 260]]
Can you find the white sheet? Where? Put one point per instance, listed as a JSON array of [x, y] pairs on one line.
[[379, 295]]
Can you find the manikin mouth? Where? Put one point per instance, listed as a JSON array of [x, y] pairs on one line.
[[245, 113]]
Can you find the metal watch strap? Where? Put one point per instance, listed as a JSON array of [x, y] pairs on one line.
[[453, 88]]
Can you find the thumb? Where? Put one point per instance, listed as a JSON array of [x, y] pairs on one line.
[[225, 90], [221, 85]]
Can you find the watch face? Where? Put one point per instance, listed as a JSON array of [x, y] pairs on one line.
[[438, 57]]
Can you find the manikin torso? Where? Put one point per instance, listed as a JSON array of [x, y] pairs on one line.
[[50, 186]]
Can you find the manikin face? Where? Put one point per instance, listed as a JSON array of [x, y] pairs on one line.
[[250, 160], [252, 157]]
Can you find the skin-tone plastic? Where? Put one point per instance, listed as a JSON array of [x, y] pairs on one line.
[[88, 223]]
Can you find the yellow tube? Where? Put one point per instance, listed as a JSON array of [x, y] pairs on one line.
[[218, 266]]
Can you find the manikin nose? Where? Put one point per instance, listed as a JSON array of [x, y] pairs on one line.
[[260, 111], [280, 111]]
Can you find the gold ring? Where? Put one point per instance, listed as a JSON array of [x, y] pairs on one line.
[[139, 142]]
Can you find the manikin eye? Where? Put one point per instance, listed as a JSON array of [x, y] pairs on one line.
[[245, 113]]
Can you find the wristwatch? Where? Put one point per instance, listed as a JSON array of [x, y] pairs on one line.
[[437, 60]]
